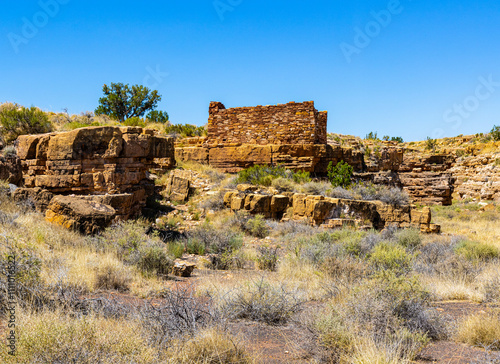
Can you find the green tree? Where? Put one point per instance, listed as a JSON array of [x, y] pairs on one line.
[[340, 175], [158, 116], [122, 102]]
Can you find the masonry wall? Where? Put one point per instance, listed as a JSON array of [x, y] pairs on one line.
[[292, 123]]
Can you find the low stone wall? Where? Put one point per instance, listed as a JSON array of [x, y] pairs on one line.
[[328, 212]]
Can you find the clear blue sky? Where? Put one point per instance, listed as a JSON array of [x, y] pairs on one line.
[[431, 68]]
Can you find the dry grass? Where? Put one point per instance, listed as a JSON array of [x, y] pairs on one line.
[[55, 337], [210, 346], [481, 330]]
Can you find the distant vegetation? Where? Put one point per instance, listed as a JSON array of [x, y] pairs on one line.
[[186, 130], [123, 102], [495, 133], [265, 175]]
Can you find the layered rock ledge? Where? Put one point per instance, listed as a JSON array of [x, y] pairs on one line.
[[95, 166]]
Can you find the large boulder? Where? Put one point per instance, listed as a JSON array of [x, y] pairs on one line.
[[76, 213], [178, 187]]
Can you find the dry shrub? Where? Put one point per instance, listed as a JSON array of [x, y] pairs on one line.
[[114, 277], [262, 300], [481, 329]]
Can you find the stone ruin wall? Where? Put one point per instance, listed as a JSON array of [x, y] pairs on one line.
[[292, 123], [239, 138]]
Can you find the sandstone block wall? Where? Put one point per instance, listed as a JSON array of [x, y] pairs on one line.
[[292, 123]]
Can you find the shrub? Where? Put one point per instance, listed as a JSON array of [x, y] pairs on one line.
[[390, 195], [387, 256], [340, 175], [154, 259], [186, 130], [135, 121], [476, 251], [397, 139], [156, 116], [213, 240], [262, 301], [317, 188], [283, 184], [17, 120], [214, 202], [268, 258], [113, 277], [257, 227], [482, 330], [409, 238], [264, 175], [431, 144], [495, 133]]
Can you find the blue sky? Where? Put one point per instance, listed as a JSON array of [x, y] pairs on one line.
[[400, 68]]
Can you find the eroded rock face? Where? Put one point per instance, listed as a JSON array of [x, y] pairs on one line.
[[11, 170], [330, 212]]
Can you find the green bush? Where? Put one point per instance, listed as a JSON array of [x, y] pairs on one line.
[[257, 227], [135, 121], [409, 238], [387, 256], [476, 251], [17, 120], [340, 175]]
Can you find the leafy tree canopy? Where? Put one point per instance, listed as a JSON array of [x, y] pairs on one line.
[[122, 102]]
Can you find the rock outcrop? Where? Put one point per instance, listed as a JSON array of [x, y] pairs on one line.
[[328, 212], [103, 166]]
